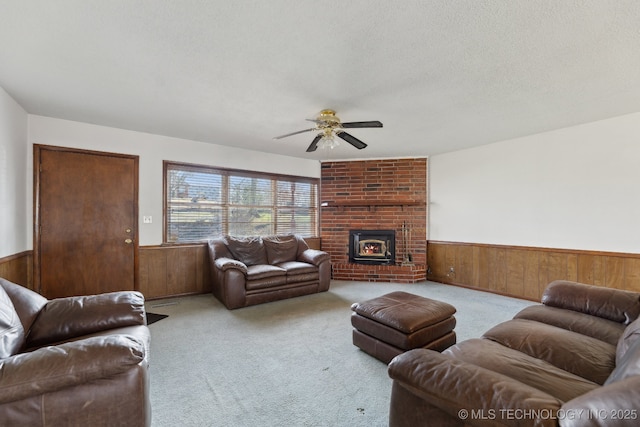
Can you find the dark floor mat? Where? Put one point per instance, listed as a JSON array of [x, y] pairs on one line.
[[154, 317]]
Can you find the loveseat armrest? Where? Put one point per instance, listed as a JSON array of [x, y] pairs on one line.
[[72, 317], [56, 367], [469, 394], [224, 264], [608, 303], [313, 256]]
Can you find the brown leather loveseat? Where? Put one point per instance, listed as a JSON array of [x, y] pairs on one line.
[[78, 361], [254, 270], [574, 360]]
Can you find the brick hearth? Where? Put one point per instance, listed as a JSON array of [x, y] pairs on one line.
[[375, 194], [380, 273]]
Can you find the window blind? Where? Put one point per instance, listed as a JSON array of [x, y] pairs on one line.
[[203, 202]]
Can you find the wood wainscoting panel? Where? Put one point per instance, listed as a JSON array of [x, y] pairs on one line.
[[18, 269], [524, 272], [614, 272], [167, 271], [152, 271], [530, 284], [632, 274], [591, 268], [465, 255], [516, 267]]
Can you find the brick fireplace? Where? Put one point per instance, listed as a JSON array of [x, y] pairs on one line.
[[365, 195]]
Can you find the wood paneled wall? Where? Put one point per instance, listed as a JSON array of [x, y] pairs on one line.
[[166, 271], [163, 271], [18, 269], [524, 272]]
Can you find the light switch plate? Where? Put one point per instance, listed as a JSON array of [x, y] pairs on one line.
[[147, 219]]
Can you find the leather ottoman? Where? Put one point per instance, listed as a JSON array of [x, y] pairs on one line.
[[389, 325]]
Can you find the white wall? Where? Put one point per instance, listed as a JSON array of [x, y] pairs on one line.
[[574, 188], [15, 217], [153, 149]]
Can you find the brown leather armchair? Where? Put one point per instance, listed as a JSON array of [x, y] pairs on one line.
[[77, 361]]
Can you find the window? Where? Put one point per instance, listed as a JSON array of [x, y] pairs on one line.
[[203, 202]]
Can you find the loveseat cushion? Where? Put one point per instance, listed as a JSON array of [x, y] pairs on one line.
[[298, 272], [262, 271], [281, 248], [579, 354], [295, 267], [249, 250], [264, 276], [11, 330]]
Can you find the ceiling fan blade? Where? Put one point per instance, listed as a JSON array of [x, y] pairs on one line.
[[293, 133], [371, 124], [352, 140], [314, 144]]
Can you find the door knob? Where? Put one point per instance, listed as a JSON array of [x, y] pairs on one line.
[[128, 241]]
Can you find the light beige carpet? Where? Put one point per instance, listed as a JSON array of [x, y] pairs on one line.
[[286, 363]]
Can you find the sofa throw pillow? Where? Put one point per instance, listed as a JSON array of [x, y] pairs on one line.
[[249, 250], [630, 335], [11, 330], [281, 249]]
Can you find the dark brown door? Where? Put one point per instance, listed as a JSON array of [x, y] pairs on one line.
[[86, 222]]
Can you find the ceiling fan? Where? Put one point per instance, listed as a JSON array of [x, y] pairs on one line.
[[328, 125]]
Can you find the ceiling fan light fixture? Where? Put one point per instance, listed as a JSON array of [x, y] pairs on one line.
[[328, 126], [329, 142]]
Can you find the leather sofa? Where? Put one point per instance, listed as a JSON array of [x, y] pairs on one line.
[[253, 270], [77, 361], [573, 360]]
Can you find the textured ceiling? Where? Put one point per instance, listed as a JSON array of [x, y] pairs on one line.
[[441, 75]]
